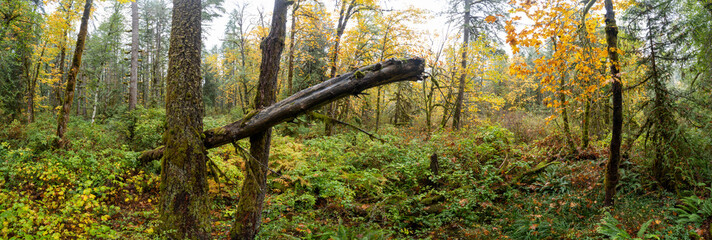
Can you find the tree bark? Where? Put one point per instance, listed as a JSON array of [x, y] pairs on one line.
[[662, 123], [248, 215], [290, 64], [62, 56], [378, 108], [63, 116], [184, 201], [447, 106], [565, 113], [62, 59], [133, 84], [32, 86], [347, 9], [585, 125], [330, 90], [564, 109], [96, 100], [612, 174], [456, 121]]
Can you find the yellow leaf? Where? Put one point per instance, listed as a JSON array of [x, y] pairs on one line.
[[491, 19]]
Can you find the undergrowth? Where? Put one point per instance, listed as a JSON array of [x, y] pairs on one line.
[[345, 186]]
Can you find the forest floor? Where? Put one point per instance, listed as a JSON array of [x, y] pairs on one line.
[[491, 184]]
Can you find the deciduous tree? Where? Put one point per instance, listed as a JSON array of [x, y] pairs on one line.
[[63, 115]]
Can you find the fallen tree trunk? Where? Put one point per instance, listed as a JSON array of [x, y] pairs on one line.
[[352, 83]]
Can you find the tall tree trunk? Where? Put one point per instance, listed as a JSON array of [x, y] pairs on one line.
[[133, 84], [585, 125], [62, 57], [586, 44], [62, 60], [661, 125], [565, 113], [564, 108], [249, 209], [154, 75], [31, 88], [63, 115], [290, 64], [184, 202], [397, 110], [96, 101], [158, 77], [456, 118], [378, 107], [447, 106], [331, 108], [79, 93], [347, 9], [612, 174]]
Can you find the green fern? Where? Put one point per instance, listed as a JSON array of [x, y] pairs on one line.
[[359, 233], [693, 210], [610, 227]]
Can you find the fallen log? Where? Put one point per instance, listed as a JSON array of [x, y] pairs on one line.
[[352, 83]]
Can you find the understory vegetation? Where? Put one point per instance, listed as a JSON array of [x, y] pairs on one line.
[[492, 182], [356, 119]]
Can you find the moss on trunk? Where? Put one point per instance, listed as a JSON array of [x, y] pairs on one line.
[[249, 208], [612, 174], [63, 115], [184, 189]]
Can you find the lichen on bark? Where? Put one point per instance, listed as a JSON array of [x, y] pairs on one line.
[[184, 190]]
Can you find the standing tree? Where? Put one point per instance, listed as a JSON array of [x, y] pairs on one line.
[[479, 20], [347, 9], [63, 116], [239, 60], [249, 208], [290, 54], [461, 86], [19, 45], [568, 63], [612, 174], [133, 84], [184, 188], [29, 29]]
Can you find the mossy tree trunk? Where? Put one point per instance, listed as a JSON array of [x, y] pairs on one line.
[[63, 115], [612, 174], [248, 215], [184, 188]]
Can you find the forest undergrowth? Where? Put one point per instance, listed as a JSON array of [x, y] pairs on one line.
[[491, 182]]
